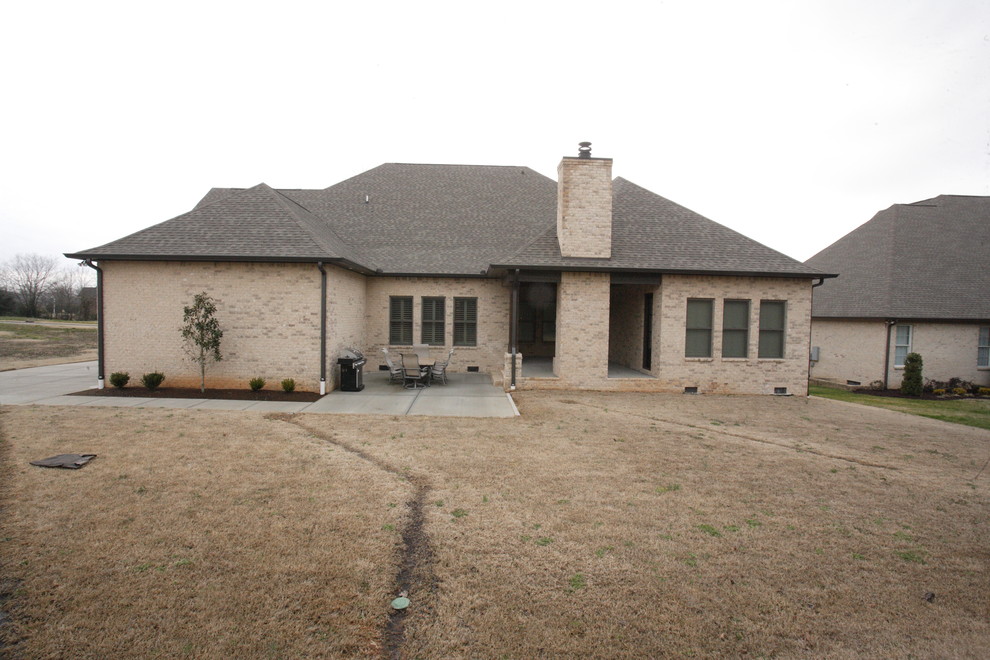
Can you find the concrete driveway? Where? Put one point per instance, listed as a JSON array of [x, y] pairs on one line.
[[465, 395]]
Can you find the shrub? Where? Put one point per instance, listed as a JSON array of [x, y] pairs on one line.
[[288, 384], [939, 391], [153, 380], [959, 391], [876, 385], [911, 383], [256, 383], [119, 379], [983, 391]]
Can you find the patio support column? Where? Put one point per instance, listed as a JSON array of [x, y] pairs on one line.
[[513, 320], [323, 328]]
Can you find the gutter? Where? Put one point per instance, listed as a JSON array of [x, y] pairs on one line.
[[99, 322], [323, 328]]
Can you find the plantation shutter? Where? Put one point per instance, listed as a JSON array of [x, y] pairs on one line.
[[698, 337], [433, 321], [465, 321], [400, 320], [771, 329], [735, 329]]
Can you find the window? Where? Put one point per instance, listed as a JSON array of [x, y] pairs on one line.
[[465, 321], [735, 329], [983, 348], [432, 330], [698, 340], [772, 314], [902, 344], [400, 320]]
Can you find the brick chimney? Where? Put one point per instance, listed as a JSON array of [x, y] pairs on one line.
[[584, 205]]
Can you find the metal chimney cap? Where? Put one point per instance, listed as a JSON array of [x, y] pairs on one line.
[[584, 150]]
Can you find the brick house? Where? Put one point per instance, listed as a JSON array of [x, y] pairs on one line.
[[912, 279], [586, 282]]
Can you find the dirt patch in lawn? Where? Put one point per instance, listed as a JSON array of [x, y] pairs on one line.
[[595, 525], [25, 345], [194, 393]]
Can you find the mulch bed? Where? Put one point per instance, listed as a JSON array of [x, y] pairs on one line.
[[194, 393], [927, 396]]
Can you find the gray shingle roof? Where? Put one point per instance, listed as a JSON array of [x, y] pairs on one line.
[[650, 232], [253, 224], [443, 220], [926, 260]]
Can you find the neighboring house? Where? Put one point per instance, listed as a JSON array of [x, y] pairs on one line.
[[590, 283], [914, 279]]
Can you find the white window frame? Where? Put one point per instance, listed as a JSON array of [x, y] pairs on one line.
[[898, 344], [983, 348]]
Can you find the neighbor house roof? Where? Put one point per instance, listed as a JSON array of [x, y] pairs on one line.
[[926, 260], [442, 220]]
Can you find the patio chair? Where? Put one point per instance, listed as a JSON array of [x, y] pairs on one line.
[[394, 372], [439, 369], [412, 375]]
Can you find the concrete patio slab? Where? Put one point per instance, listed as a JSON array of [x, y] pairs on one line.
[[363, 404], [463, 406], [171, 403], [222, 404], [464, 395], [277, 406]]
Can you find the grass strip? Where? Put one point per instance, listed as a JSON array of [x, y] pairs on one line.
[[969, 412]]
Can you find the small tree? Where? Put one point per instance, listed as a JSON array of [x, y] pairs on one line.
[[911, 383], [202, 334]]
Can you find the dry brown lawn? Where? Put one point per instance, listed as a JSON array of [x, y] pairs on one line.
[[595, 525], [24, 345]]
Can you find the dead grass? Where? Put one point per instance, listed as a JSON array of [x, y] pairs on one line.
[[29, 345], [596, 525]]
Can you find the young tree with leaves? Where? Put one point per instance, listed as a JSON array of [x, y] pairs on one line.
[[201, 332]]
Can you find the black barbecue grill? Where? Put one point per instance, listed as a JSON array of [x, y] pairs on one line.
[[351, 363]]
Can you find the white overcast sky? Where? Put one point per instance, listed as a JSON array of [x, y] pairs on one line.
[[792, 122]]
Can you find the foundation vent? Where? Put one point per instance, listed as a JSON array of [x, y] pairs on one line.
[[690, 390]]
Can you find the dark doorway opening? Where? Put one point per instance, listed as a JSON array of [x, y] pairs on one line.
[[648, 331], [537, 329]]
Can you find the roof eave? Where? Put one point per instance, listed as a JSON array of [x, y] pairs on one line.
[[339, 261], [590, 268]]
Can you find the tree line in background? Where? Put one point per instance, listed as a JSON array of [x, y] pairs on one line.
[[41, 286]]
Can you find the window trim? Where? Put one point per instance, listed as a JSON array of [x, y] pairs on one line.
[[689, 329], [397, 327], [465, 329], [767, 331], [983, 346], [907, 346], [436, 323], [734, 331]]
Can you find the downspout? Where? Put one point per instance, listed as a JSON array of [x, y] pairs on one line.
[[99, 322], [886, 353], [821, 281], [323, 328], [512, 330]]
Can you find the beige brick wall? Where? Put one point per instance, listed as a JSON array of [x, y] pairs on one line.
[[584, 207], [346, 292], [626, 319], [749, 375], [582, 330], [493, 319], [948, 350], [270, 315], [853, 350], [849, 349]]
